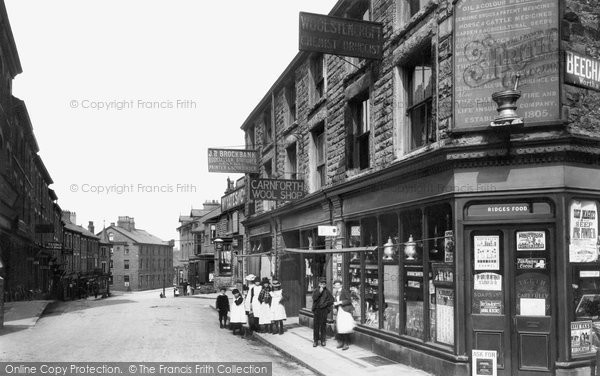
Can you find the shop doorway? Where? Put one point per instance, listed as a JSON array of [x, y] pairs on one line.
[[511, 297]]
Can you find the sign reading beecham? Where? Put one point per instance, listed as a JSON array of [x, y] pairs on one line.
[[276, 190], [232, 161], [495, 40], [340, 36], [582, 70]]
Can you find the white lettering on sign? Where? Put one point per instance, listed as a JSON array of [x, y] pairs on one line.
[[497, 209]]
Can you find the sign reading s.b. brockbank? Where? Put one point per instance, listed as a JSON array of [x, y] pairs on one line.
[[341, 36], [582, 70], [238, 161], [276, 190]]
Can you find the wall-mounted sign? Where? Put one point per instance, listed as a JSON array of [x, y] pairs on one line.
[[495, 40], [531, 241], [581, 337], [582, 70], [484, 363], [583, 231], [487, 281], [276, 190], [486, 252], [53, 245], [327, 230], [232, 161], [340, 36], [589, 274], [233, 199], [531, 263]]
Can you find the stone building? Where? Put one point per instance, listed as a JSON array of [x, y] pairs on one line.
[[460, 234], [140, 260]]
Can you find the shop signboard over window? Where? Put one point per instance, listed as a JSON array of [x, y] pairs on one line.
[[492, 49], [231, 160], [583, 231]]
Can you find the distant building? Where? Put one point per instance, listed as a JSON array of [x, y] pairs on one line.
[[140, 260]]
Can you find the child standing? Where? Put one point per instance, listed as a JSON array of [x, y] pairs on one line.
[[223, 307], [238, 313], [277, 308], [264, 319]]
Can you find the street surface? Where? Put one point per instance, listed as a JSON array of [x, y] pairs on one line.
[[136, 327]]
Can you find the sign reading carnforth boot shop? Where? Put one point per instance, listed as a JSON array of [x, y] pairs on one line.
[[495, 40]]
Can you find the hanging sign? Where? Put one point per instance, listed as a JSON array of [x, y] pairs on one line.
[[487, 252], [581, 337], [340, 36], [531, 241], [233, 161], [487, 281], [583, 231], [484, 363], [582, 70]]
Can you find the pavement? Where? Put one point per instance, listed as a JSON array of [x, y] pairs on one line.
[[297, 344], [24, 313]]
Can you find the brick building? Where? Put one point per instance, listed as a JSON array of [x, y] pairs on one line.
[[140, 260], [454, 235]]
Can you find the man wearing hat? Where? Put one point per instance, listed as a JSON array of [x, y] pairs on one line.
[[321, 306]]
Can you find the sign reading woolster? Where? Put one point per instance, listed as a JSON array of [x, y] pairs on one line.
[[276, 190], [237, 161], [341, 36], [495, 40]]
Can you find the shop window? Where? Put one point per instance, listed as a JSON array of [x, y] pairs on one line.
[[291, 164], [224, 254], [317, 75], [318, 157], [359, 131], [290, 98], [414, 310], [390, 277], [354, 268]]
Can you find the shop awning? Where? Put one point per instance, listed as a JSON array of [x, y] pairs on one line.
[[255, 254], [333, 250]]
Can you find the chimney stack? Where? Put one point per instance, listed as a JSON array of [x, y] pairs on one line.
[[126, 223], [91, 227]]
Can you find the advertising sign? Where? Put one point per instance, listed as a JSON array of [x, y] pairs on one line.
[[232, 161], [233, 199], [531, 241], [531, 263], [484, 363], [340, 36], [487, 281], [495, 40], [582, 70], [327, 231], [583, 231], [276, 189], [444, 315], [581, 337], [487, 252]]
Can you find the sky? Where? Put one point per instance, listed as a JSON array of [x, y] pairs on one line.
[[125, 97]]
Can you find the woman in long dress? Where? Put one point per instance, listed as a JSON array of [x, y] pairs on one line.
[[344, 322]]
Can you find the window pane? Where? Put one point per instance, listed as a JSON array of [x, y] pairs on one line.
[[371, 277], [391, 277], [354, 269], [413, 274]]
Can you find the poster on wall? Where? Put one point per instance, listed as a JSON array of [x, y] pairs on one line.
[[531, 241], [583, 231], [493, 42], [487, 252], [449, 246], [581, 337], [484, 363], [444, 315], [487, 282]]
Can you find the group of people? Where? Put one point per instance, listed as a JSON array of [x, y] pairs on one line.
[[324, 302], [258, 307]]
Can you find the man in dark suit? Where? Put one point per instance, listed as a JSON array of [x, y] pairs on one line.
[[321, 306]]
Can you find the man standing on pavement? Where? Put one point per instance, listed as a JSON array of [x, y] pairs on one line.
[[322, 305]]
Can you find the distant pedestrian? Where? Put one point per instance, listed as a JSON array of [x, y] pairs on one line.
[[321, 306], [264, 319], [184, 286], [344, 322], [277, 308], [255, 304], [223, 307], [238, 314], [189, 290]]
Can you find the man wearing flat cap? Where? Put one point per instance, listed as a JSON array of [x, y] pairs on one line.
[[322, 305]]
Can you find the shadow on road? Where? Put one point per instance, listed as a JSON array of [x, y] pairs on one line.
[[7, 329], [59, 307]]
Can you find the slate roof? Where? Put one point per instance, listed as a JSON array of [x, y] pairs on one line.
[[82, 230], [139, 236]]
